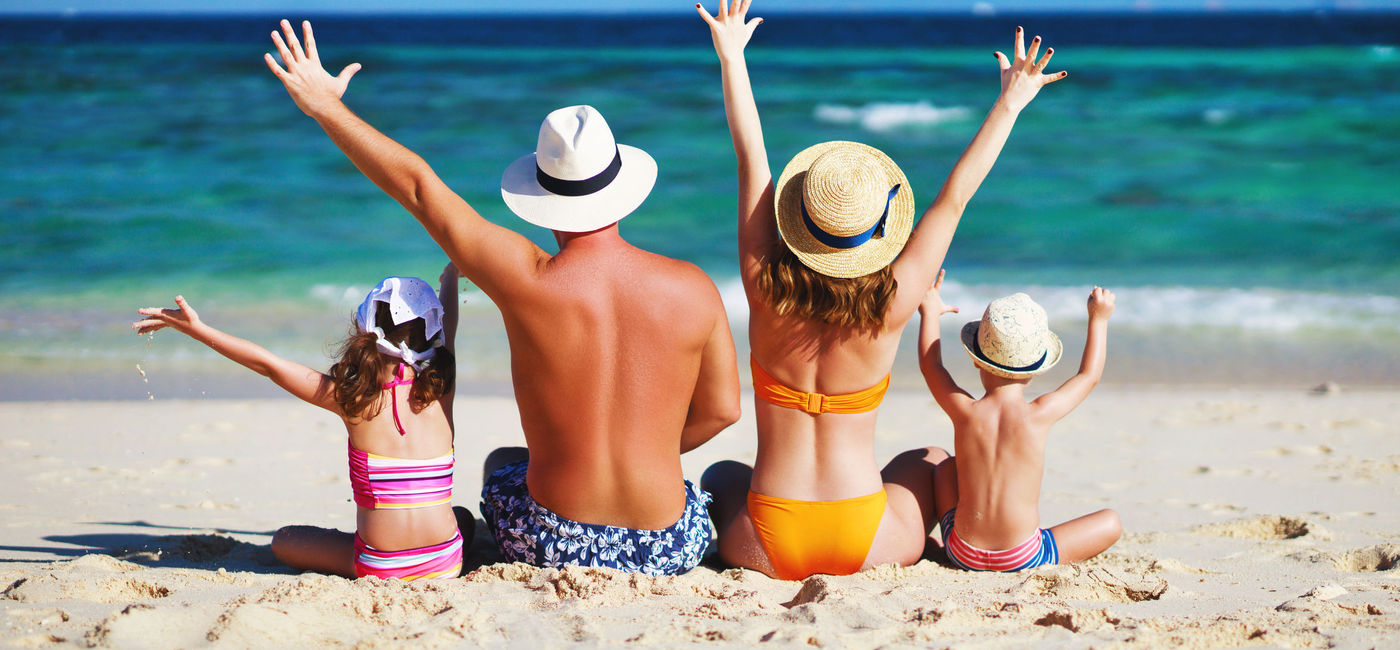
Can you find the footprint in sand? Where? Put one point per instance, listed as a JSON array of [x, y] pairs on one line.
[[1263, 527], [1075, 582]]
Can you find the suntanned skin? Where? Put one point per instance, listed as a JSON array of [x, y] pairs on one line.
[[621, 359], [999, 441], [832, 456], [324, 550]]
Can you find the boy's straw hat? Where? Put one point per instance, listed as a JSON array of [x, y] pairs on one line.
[[579, 179], [844, 208], [1013, 339]]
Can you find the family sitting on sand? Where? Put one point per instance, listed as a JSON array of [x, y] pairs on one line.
[[622, 360]]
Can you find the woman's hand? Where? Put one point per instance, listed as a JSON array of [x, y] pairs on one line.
[[1023, 77], [310, 86], [933, 306], [182, 318], [728, 29]]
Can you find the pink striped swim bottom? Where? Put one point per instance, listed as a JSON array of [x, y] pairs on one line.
[[1039, 549], [437, 561]]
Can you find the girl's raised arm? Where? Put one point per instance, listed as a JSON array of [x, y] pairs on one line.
[[758, 229], [1021, 79], [297, 379]]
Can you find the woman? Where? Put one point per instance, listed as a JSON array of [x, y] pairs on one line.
[[828, 301]]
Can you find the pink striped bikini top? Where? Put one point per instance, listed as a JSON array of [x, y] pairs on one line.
[[381, 482]]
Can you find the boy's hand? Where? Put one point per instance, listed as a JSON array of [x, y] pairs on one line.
[[310, 86], [1023, 77], [183, 318], [1100, 304], [933, 301], [728, 29]]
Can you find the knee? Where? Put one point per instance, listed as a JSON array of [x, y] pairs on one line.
[[283, 542], [723, 474], [502, 456], [936, 455], [1112, 525]]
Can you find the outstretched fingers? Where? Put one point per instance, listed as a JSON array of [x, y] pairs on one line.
[[310, 41], [292, 40], [282, 50], [277, 70], [1003, 62], [1020, 43], [1032, 52], [709, 20]]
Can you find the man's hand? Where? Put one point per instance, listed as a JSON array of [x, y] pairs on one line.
[[311, 87], [932, 306], [1100, 304], [1023, 77], [728, 28]]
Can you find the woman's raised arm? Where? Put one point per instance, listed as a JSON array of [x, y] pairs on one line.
[[1021, 79], [757, 227]]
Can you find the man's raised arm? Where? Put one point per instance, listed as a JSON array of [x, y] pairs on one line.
[[492, 257]]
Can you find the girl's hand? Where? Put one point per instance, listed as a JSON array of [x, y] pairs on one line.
[[933, 306], [1023, 77], [182, 318], [449, 274], [310, 86], [728, 29], [1100, 304]]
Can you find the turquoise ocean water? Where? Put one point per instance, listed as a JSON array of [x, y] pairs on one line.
[[1241, 200]]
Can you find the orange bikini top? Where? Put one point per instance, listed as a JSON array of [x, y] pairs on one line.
[[770, 390]]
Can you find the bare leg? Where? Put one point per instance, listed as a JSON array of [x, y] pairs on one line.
[[1083, 538], [728, 482], [910, 514], [309, 548], [500, 457]]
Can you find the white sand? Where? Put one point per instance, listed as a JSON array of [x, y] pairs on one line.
[[1252, 517]]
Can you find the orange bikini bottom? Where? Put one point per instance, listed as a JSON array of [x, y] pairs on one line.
[[806, 537]]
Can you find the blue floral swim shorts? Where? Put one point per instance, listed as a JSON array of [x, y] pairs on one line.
[[526, 531]]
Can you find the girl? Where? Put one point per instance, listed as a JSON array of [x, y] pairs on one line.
[[831, 284], [393, 387]]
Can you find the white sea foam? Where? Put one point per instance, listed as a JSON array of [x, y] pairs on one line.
[[1261, 310], [888, 116]]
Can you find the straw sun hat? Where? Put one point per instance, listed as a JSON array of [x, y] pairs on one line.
[[579, 179], [844, 208], [1013, 339]]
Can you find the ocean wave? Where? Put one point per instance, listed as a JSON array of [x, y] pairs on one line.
[[1260, 310], [888, 116]]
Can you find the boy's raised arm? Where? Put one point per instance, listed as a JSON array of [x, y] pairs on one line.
[[1022, 77], [493, 257], [303, 382], [758, 229], [1059, 402], [950, 397]]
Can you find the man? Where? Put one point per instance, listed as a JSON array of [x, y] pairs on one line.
[[621, 359]]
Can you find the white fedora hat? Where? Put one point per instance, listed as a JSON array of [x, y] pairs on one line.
[[579, 178], [1013, 339]]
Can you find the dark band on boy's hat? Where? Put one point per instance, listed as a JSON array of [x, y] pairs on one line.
[[582, 187], [852, 241], [977, 349]]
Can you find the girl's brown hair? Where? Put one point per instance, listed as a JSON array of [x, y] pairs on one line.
[[792, 288], [359, 372]]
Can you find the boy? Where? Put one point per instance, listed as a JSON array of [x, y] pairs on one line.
[[987, 502]]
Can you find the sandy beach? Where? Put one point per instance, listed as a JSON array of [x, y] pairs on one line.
[[1252, 517]]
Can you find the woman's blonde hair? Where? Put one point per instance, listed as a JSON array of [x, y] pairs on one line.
[[792, 288]]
